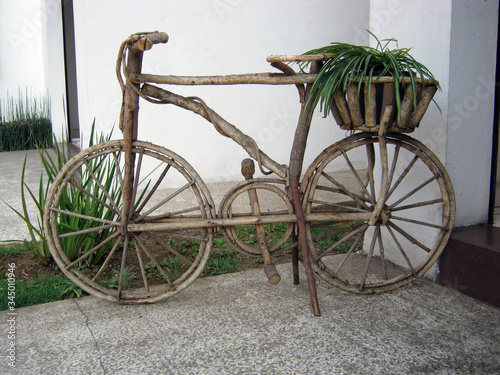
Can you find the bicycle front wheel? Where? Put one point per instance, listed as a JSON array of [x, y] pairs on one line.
[[82, 223], [414, 224]]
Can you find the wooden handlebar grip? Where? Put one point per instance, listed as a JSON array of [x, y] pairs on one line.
[[248, 170], [145, 42]]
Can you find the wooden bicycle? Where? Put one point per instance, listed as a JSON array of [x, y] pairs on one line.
[[371, 213]]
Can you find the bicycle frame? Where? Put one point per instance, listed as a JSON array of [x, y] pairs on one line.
[[132, 51]]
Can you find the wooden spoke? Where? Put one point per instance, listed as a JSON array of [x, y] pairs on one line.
[[123, 266], [382, 253], [356, 197], [182, 235], [353, 247], [416, 205], [356, 175], [402, 176], [418, 222], [153, 259], [393, 165], [85, 231], [359, 228], [89, 194], [409, 237], [92, 251], [164, 201], [103, 189], [339, 191], [136, 181], [369, 257], [154, 188], [370, 153], [402, 251], [167, 247], [118, 170], [92, 218], [341, 207], [419, 187], [106, 261], [141, 264]]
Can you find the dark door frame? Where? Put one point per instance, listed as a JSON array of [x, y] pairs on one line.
[[70, 69]]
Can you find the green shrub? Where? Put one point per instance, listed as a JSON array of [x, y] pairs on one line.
[[25, 123], [75, 199]]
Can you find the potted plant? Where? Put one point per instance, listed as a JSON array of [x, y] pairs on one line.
[[363, 86]]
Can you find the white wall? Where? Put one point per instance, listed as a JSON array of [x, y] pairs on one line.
[[32, 53], [22, 64], [210, 37], [458, 42], [470, 107]]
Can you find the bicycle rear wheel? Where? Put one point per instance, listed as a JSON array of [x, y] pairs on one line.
[[413, 227], [82, 223]]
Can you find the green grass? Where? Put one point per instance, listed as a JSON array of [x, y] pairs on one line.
[[21, 248], [49, 287], [42, 289], [223, 259], [325, 242], [128, 279], [45, 287]]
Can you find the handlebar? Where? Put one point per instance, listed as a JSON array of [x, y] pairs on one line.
[[145, 41]]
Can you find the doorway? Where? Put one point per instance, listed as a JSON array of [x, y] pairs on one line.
[[71, 80]]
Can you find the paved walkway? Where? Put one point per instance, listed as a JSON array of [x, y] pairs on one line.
[[12, 227], [240, 324]]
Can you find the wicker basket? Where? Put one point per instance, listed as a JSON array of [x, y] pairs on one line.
[[367, 110]]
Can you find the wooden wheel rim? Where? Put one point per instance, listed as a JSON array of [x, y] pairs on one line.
[[225, 211], [159, 154], [442, 181]]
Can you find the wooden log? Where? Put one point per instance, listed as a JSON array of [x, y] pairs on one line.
[[370, 95], [248, 78], [364, 128], [231, 79], [302, 130], [388, 98], [353, 104], [384, 189], [223, 127], [335, 113], [407, 105], [194, 223], [130, 116], [342, 107], [247, 170], [425, 99], [306, 255], [406, 80], [290, 58]]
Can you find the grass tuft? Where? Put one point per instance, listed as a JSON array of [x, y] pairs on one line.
[[25, 123]]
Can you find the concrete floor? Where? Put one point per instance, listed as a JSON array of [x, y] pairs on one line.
[[241, 324]]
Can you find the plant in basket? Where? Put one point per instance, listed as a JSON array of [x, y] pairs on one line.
[[364, 86]]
